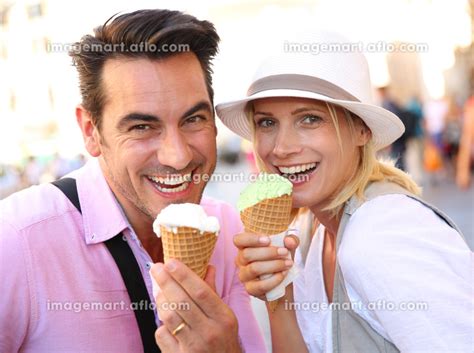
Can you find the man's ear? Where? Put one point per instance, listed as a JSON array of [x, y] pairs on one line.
[[90, 133]]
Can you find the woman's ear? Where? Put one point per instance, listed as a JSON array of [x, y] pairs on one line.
[[362, 133]]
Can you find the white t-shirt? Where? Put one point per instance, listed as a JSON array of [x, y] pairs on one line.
[[407, 273]]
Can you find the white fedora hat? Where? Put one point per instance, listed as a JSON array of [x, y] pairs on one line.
[[335, 74]]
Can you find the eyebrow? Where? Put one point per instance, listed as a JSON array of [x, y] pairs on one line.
[[296, 111], [202, 105], [136, 117], [141, 117], [262, 113], [305, 109]]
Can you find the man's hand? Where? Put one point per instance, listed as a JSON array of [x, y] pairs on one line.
[[209, 324]]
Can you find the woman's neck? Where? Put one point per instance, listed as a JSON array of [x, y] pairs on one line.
[[330, 222]]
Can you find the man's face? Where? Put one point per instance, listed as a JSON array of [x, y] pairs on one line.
[[158, 134]]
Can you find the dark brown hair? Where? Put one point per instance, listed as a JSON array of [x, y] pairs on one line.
[[143, 33]]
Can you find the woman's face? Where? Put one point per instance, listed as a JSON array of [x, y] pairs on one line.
[[296, 137]]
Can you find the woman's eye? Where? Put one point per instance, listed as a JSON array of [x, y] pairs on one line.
[[265, 123], [311, 119]]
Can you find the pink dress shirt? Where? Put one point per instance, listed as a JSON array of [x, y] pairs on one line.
[[61, 290]]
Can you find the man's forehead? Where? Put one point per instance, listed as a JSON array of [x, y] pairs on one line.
[[141, 83], [185, 67]]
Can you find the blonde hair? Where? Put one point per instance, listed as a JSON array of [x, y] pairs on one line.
[[370, 168]]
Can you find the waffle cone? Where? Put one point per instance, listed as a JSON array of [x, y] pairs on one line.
[[189, 246], [270, 216]]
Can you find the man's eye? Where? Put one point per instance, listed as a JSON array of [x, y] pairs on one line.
[[141, 127], [265, 123], [195, 119]]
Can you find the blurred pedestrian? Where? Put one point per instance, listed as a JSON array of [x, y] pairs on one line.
[[466, 146], [9, 180], [32, 172], [435, 113], [414, 148], [398, 147], [451, 135]]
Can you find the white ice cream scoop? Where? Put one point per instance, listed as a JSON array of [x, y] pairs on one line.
[[186, 215]]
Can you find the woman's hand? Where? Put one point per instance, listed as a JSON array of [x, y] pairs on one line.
[[256, 257]]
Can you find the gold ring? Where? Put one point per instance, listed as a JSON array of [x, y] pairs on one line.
[[179, 328]]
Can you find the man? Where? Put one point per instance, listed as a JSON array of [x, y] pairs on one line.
[[147, 117]]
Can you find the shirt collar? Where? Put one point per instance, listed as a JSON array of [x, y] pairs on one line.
[[102, 215]]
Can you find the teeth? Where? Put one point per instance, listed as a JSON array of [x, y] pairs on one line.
[[172, 179], [173, 190], [296, 169]]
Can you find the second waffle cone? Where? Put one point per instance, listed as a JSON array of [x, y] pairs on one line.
[[270, 216]]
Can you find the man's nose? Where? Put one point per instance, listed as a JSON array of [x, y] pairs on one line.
[[174, 150]]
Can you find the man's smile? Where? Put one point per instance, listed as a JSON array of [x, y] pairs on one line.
[[171, 183]]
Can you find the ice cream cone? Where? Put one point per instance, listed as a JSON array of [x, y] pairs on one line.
[[269, 216], [188, 245]]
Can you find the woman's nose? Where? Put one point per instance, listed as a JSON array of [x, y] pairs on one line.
[[287, 143]]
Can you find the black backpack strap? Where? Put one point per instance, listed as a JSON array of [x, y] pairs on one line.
[[68, 187], [137, 291], [130, 271]]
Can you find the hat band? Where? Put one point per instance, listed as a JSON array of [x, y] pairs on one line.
[[302, 83]]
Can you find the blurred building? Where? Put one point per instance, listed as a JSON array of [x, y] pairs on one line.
[[36, 94], [406, 76], [460, 77]]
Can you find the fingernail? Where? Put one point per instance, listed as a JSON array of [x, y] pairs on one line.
[[264, 240], [170, 265], [288, 263], [282, 251]]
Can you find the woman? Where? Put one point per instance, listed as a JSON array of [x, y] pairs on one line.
[[395, 270]]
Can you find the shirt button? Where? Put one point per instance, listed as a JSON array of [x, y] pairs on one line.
[[124, 238], [148, 265]]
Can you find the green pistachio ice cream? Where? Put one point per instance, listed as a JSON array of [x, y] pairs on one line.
[[267, 186]]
